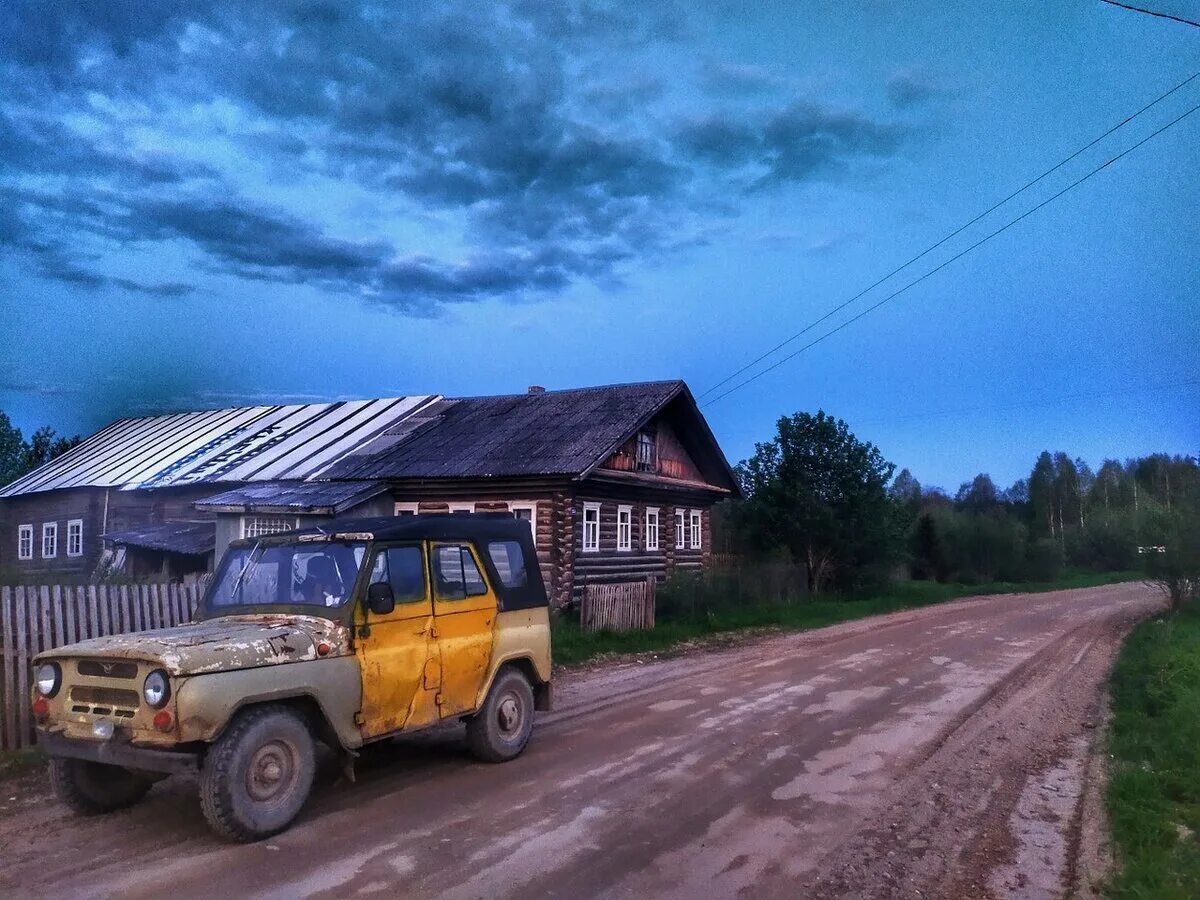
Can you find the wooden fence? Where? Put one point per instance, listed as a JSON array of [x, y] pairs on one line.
[[33, 619], [618, 607]]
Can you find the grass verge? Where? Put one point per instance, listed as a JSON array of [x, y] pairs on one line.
[[1154, 785], [574, 647]]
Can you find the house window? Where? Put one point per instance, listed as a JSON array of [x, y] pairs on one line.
[[49, 540], [25, 542], [461, 507], [591, 527], [680, 531], [261, 526], [696, 530], [651, 528], [624, 527], [75, 537], [646, 455], [526, 512], [405, 509]]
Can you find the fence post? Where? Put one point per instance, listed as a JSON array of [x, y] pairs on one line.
[[9, 649]]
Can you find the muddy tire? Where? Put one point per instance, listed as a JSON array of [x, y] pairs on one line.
[[92, 788], [501, 728], [258, 774]]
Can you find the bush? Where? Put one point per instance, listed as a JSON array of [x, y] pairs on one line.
[[1045, 560]]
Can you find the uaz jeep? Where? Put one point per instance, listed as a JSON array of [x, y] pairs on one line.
[[350, 633]]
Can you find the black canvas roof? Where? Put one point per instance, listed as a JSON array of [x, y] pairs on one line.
[[431, 526]]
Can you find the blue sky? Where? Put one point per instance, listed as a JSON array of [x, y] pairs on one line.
[[209, 204]]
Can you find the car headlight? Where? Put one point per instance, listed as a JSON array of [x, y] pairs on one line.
[[156, 690], [49, 679]]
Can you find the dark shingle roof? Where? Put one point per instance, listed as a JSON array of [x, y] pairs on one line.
[[549, 433], [174, 537], [319, 497]]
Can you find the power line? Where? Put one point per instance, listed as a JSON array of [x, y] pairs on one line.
[[1152, 12], [1049, 401], [811, 325], [960, 254]]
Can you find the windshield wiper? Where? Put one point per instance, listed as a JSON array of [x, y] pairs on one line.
[[251, 561]]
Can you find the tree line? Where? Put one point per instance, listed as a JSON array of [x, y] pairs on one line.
[[19, 456], [819, 496]]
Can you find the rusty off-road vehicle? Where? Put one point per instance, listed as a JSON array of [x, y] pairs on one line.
[[346, 634]]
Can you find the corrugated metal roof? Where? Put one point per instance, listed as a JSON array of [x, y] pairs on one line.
[[256, 443], [548, 433], [174, 537], [329, 497]]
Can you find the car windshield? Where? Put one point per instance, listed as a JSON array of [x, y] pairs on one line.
[[301, 574]]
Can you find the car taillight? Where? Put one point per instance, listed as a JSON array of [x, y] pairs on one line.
[[164, 721]]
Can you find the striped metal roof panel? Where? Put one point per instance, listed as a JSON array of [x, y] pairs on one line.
[[243, 444]]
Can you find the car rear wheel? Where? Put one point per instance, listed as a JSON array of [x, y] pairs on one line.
[[501, 729], [91, 788], [258, 774]]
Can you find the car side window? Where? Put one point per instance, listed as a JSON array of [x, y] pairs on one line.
[[404, 569], [456, 573], [509, 561]]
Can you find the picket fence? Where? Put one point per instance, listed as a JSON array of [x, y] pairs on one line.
[[37, 618], [618, 607]]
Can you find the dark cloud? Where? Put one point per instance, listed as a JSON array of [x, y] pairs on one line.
[[503, 118], [911, 87], [798, 143], [738, 79]]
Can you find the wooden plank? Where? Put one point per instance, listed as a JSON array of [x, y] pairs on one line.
[[106, 609], [9, 649], [126, 614], [24, 615], [72, 613], [56, 615], [93, 606], [43, 629]]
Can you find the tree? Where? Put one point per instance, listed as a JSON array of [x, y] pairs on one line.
[[1041, 496], [18, 456], [929, 558], [979, 495], [1066, 491], [819, 493]]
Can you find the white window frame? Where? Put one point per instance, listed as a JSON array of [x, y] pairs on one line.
[[286, 523], [624, 529], [75, 537], [594, 545], [459, 506], [49, 539], [25, 541], [651, 527], [411, 508], [695, 530], [531, 506], [680, 530]]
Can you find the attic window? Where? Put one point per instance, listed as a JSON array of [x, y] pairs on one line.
[[647, 455]]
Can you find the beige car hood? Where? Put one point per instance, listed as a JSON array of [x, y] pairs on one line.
[[229, 642]]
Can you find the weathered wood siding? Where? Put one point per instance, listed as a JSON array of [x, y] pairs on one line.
[[672, 460]]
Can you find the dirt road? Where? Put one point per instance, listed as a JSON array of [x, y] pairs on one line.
[[937, 753]]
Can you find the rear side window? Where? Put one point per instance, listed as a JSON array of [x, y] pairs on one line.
[[456, 573], [509, 560], [404, 569]]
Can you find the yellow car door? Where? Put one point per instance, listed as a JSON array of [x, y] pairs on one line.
[[464, 608], [396, 649]]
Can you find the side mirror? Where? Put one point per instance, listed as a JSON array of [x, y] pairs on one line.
[[380, 599]]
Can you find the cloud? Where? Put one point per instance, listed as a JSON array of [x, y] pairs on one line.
[[797, 143], [525, 134], [911, 87]]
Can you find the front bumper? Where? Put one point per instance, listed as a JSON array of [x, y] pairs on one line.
[[119, 753]]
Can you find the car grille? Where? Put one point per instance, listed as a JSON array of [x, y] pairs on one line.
[[94, 668], [103, 701]]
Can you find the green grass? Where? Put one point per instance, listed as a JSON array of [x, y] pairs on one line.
[[573, 647], [1154, 786]]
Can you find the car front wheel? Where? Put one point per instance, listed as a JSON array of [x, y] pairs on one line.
[[91, 788], [258, 774], [501, 728]]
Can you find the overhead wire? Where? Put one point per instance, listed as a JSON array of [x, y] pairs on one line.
[[951, 235], [959, 255]]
